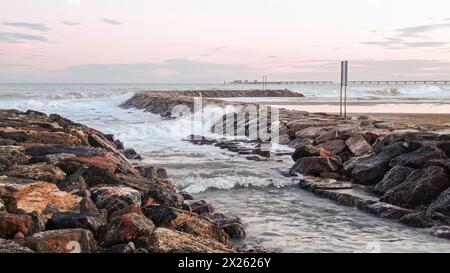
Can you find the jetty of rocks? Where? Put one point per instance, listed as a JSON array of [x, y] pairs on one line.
[[65, 187]]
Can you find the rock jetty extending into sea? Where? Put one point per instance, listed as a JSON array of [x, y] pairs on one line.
[[397, 171], [65, 187]]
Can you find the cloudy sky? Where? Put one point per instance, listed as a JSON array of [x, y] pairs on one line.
[[168, 41]]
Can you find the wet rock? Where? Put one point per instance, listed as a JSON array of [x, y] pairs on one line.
[[84, 151], [100, 194], [9, 246], [40, 171], [94, 176], [122, 248], [27, 196], [63, 241], [334, 146], [418, 158], [383, 210], [256, 158], [186, 195], [131, 154], [135, 208], [441, 232], [371, 170], [69, 220], [11, 155], [340, 132], [393, 178], [128, 227], [10, 224], [316, 165], [201, 207], [184, 221], [164, 240], [164, 196], [358, 145], [154, 173], [309, 151], [419, 188], [441, 204], [313, 183], [417, 220], [231, 225]]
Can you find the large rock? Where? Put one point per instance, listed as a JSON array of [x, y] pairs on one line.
[[63, 241], [74, 150], [128, 227], [418, 158], [358, 146], [27, 196], [316, 165], [11, 224], [11, 155], [232, 225], [126, 194], [70, 220], [164, 196], [165, 240], [441, 204], [419, 188], [309, 151], [300, 142], [310, 132], [371, 170], [340, 132], [74, 184], [184, 221], [40, 171], [393, 178], [334, 146], [10, 247]]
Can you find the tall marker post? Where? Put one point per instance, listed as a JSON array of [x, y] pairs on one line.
[[344, 83]]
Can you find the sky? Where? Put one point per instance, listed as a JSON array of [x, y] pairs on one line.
[[209, 41]]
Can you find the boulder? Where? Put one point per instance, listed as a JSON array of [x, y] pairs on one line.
[[74, 184], [393, 178], [27, 196], [310, 132], [11, 155], [316, 165], [201, 207], [84, 151], [40, 171], [334, 146], [121, 248], [341, 132], [441, 232], [94, 176], [87, 205], [418, 158], [131, 154], [441, 204], [108, 163], [111, 204], [185, 221], [165, 240], [92, 221], [419, 188], [128, 227], [63, 241], [126, 194], [358, 146], [417, 220], [164, 196], [300, 142], [371, 170], [232, 225], [11, 224], [11, 247], [309, 151]]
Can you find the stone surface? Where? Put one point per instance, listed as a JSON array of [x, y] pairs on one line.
[[11, 247], [441, 204], [11, 155], [201, 207], [70, 220], [334, 146], [441, 232], [371, 170], [419, 188], [126, 194], [63, 241], [418, 158], [417, 220], [28, 196], [165, 240], [309, 151], [232, 225], [128, 227], [393, 178], [164, 196], [10, 224], [358, 146], [184, 221], [40, 171], [316, 165]]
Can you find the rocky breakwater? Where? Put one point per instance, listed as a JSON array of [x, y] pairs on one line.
[[399, 174], [65, 187]]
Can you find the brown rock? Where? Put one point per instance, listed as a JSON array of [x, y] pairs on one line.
[[358, 145], [63, 241], [334, 146], [40, 171], [128, 227], [10, 246], [316, 165], [11, 224], [11, 155]]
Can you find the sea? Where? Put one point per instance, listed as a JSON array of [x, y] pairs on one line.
[[277, 214]]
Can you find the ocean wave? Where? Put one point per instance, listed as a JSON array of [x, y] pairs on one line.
[[390, 91]]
